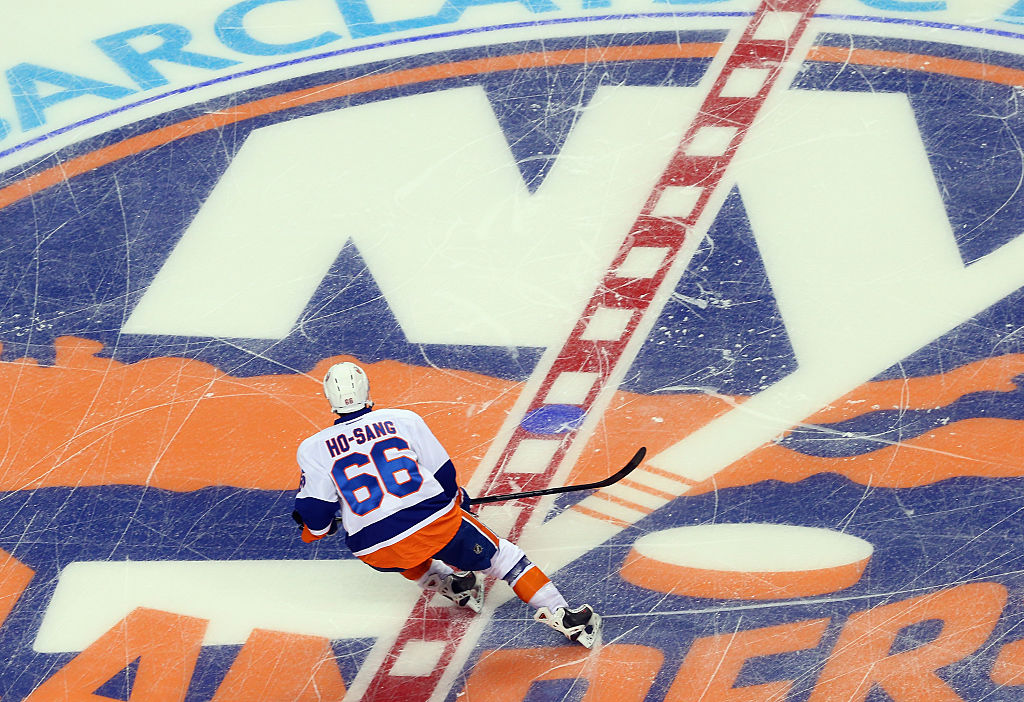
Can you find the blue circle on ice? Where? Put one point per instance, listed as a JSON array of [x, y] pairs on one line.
[[553, 419]]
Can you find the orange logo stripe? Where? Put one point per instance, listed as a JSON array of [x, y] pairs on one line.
[[183, 425], [14, 578]]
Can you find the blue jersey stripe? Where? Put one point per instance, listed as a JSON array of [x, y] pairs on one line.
[[407, 518], [386, 529], [317, 514], [446, 476]]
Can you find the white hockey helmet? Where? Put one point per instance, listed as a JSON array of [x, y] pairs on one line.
[[347, 388]]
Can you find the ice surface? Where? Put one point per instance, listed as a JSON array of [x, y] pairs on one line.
[[836, 350]]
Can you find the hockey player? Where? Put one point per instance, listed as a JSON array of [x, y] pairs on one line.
[[402, 509]]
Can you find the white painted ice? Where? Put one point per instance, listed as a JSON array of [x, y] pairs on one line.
[[753, 548], [607, 324], [532, 455], [863, 264], [861, 259], [745, 82], [777, 26], [334, 599], [711, 141], [417, 658], [677, 201], [642, 262], [570, 388], [428, 190]]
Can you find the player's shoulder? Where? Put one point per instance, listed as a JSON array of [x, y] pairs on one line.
[[395, 414], [311, 441]]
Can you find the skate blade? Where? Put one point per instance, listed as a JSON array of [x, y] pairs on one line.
[[475, 603], [594, 637]]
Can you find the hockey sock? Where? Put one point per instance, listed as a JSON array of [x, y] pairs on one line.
[[532, 586], [548, 596]]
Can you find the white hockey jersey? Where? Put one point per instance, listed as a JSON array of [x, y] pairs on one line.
[[394, 481]]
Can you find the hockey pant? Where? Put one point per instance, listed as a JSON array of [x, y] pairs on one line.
[[475, 547]]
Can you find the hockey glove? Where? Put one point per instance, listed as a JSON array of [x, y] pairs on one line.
[[307, 535], [465, 503]]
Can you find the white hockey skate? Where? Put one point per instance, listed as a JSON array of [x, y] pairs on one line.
[[462, 588], [582, 625]]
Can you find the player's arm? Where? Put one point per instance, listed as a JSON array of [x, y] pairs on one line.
[[316, 502], [316, 517], [450, 484]]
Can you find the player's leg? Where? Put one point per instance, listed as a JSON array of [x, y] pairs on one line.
[[582, 625], [476, 547], [532, 586], [461, 588]]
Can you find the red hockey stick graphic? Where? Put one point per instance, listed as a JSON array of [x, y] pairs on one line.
[[626, 292]]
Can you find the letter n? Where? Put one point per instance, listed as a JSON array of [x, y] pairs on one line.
[[166, 646]]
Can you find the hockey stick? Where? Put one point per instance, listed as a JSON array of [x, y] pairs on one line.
[[622, 473], [614, 478]]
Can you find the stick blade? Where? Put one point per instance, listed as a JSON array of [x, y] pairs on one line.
[[635, 461], [637, 458], [619, 475]]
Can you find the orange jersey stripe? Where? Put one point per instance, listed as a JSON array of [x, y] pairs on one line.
[[309, 537]]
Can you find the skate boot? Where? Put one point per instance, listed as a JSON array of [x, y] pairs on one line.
[[582, 625], [462, 588]]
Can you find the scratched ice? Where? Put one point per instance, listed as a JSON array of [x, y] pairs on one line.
[[828, 383]]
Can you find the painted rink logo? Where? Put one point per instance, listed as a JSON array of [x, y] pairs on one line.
[[838, 355]]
